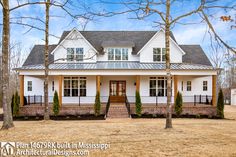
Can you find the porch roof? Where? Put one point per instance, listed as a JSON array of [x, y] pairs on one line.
[[117, 66]]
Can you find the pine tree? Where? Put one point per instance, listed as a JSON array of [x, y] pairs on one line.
[[220, 104], [138, 104], [56, 107], [97, 105], [178, 104]]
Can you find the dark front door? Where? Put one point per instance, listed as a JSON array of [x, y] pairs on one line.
[[117, 91]]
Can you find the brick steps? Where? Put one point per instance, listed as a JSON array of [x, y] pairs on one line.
[[117, 111]]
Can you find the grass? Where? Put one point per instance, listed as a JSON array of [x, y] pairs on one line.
[[138, 137]]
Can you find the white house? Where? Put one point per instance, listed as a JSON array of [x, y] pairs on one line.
[[117, 64]]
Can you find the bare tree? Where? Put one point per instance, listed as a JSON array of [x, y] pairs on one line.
[[167, 20]]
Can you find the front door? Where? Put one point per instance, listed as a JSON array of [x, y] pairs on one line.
[[117, 91]]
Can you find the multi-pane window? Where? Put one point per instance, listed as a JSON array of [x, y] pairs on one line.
[[189, 86], [79, 56], [117, 54], [159, 54], [29, 85], [70, 54], [75, 54], [204, 85], [158, 86], [74, 86]]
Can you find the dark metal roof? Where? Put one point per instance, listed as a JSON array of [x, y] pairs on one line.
[[108, 65], [117, 43], [36, 55], [195, 54]]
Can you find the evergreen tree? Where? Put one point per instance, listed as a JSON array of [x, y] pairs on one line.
[[220, 104], [97, 105], [56, 107], [138, 104], [178, 104]]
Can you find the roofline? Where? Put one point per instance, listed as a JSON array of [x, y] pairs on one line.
[[74, 29], [153, 38]]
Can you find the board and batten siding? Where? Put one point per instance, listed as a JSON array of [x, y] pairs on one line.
[[158, 41]]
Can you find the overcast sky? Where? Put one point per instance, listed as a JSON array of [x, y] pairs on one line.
[[184, 34]]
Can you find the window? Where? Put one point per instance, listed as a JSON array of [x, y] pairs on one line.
[[124, 54], [74, 86], [204, 85], [110, 54], [117, 54], [70, 54], [53, 87], [158, 86], [182, 85], [79, 54], [29, 85], [159, 54], [189, 88]]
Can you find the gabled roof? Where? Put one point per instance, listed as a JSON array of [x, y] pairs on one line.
[[195, 54], [36, 55], [96, 38]]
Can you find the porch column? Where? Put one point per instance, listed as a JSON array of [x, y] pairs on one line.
[[175, 86], [98, 82], [60, 90], [213, 90], [137, 83], [21, 79]]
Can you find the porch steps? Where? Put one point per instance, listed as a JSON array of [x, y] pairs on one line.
[[117, 110]]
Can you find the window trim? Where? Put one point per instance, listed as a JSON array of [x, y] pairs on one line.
[[189, 86], [29, 86], [157, 88], [79, 79], [205, 85], [123, 51]]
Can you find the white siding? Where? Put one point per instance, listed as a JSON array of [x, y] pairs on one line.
[[158, 41], [37, 86], [233, 96], [79, 42], [130, 56]]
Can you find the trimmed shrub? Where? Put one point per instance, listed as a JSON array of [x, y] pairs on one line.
[[178, 104], [138, 104], [220, 105], [56, 106], [15, 104], [97, 105]]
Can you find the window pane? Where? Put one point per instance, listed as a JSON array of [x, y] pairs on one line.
[[66, 83], [82, 92], [70, 54], [152, 92], [189, 86], [75, 84], [156, 51], [66, 92], [110, 54], [163, 54], [29, 84], [79, 54], [82, 83], [161, 92], [124, 54], [75, 92], [117, 54]]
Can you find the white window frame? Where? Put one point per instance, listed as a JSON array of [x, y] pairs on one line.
[[189, 86], [77, 54], [124, 54], [162, 54], [204, 85], [75, 78], [162, 88], [29, 86]]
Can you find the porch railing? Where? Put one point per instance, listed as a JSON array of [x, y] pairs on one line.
[[127, 104]]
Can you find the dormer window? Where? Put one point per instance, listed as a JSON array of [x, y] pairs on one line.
[[117, 54], [159, 54], [75, 54]]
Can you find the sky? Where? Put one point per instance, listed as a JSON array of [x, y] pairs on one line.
[[60, 21]]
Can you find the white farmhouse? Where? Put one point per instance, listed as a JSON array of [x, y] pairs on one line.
[[117, 64]]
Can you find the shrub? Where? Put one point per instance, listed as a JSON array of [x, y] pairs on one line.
[[138, 104], [220, 104], [15, 104], [56, 106], [25, 101], [178, 104], [97, 105]]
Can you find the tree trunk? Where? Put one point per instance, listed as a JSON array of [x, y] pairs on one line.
[[167, 45], [46, 63], [7, 114]]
